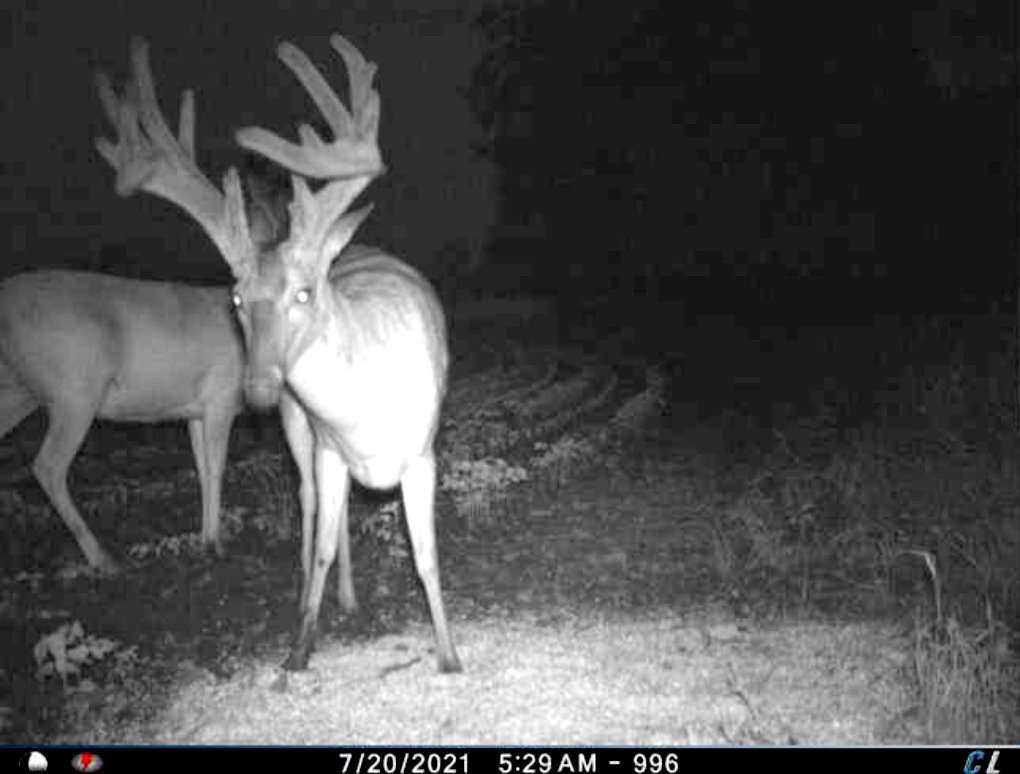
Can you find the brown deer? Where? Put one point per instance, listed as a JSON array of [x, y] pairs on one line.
[[354, 351], [85, 345]]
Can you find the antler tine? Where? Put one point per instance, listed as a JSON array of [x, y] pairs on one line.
[[312, 215], [148, 107], [147, 156], [112, 105], [123, 114], [354, 150], [318, 88], [186, 128], [360, 73]]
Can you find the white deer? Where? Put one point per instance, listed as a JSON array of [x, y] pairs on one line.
[[354, 351]]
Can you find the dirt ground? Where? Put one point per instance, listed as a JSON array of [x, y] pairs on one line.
[[607, 606], [589, 614]]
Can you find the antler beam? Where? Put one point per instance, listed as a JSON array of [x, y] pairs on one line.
[[354, 150], [147, 156]]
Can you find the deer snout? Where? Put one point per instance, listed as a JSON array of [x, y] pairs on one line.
[[263, 389]]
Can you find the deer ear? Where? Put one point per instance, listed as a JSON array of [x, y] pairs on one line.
[[342, 231]]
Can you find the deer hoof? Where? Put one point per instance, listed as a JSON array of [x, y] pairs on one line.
[[297, 661], [213, 547], [450, 666], [105, 566]]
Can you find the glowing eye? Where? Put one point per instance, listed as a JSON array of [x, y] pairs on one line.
[[236, 300], [303, 296]]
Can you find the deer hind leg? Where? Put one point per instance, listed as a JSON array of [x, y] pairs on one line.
[[301, 441], [64, 436], [333, 486], [418, 487], [16, 403], [210, 438]]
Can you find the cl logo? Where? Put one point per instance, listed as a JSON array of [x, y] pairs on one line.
[[973, 764]]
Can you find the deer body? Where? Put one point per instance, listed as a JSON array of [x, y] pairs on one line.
[[85, 345], [135, 334], [366, 363], [354, 351], [379, 406]]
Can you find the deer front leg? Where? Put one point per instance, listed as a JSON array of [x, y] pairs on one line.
[[333, 483], [418, 486], [301, 441], [210, 437]]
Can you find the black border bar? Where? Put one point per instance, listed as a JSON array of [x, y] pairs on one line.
[[508, 759]]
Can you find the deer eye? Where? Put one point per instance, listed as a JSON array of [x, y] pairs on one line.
[[236, 300], [303, 296]]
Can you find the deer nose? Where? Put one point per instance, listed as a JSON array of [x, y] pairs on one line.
[[263, 390]]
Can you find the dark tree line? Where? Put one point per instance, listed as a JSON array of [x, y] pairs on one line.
[[646, 143]]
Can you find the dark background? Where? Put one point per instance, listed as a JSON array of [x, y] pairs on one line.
[[818, 164]]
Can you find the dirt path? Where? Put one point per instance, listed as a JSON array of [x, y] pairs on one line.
[[591, 614], [697, 679]]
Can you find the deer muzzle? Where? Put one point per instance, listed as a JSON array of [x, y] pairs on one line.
[[264, 376], [263, 390]]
